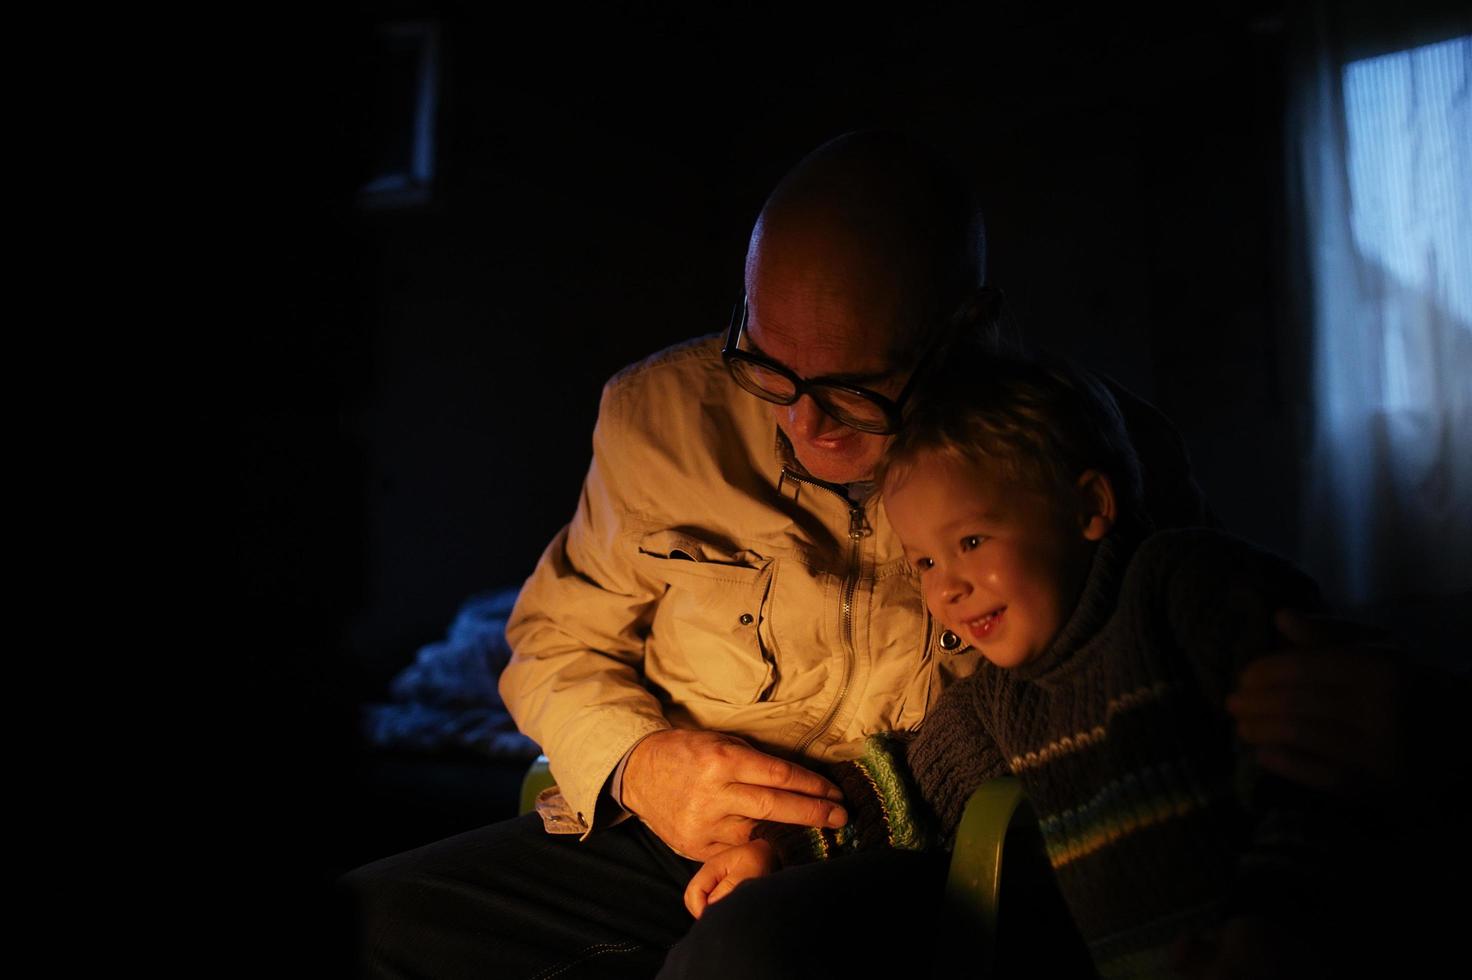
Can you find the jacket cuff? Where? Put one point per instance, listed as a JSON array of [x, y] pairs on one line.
[[584, 786], [616, 781]]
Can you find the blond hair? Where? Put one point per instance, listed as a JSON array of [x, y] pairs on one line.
[[1041, 421]]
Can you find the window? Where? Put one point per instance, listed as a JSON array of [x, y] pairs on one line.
[[404, 99], [1385, 172]]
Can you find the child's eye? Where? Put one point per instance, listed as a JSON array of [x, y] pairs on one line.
[[971, 541], [923, 564]]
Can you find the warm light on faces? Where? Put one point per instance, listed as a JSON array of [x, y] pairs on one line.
[[830, 297], [827, 448], [1000, 564]]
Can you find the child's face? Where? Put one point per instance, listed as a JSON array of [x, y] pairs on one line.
[[1000, 564]]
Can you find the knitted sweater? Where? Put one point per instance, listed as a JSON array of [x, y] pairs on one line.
[[1120, 737]]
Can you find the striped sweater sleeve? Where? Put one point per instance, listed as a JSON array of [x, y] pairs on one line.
[[953, 754]]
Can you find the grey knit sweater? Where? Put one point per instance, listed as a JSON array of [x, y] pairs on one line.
[[1120, 737], [1155, 824]]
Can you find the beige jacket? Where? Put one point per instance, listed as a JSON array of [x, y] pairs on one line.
[[704, 583]]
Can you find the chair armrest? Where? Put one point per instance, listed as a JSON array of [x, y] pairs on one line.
[[974, 880], [538, 777]]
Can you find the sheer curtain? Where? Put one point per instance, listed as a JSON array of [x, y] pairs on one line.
[[1381, 146]]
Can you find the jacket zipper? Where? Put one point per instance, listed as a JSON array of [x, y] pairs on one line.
[[858, 530]]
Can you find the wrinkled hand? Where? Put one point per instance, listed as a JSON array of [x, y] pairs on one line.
[[722, 873], [702, 792], [1324, 712]]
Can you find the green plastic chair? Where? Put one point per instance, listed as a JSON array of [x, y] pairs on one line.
[[974, 880], [973, 884], [537, 778]]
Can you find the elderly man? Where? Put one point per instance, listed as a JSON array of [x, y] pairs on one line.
[[728, 607], [729, 574]]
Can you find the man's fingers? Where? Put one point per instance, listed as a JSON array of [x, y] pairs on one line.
[[759, 769], [1327, 741], [1351, 752], [763, 803], [1359, 693], [1367, 671], [1332, 707], [1324, 711], [700, 791]]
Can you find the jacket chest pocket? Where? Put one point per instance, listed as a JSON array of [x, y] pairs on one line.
[[710, 637]]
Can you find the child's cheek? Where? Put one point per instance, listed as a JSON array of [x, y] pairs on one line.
[[934, 607], [930, 605]]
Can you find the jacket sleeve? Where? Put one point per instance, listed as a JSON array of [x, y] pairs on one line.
[[577, 633], [954, 753]]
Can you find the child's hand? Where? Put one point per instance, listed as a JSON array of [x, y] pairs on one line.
[[718, 876]]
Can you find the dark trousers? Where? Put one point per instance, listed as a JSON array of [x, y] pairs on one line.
[[511, 901]]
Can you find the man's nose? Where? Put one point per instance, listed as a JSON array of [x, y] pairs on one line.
[[806, 420]]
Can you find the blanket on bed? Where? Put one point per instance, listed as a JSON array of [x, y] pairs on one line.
[[447, 698]]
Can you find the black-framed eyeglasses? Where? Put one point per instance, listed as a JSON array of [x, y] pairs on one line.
[[853, 405]]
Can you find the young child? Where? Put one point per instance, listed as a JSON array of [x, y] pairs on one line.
[[1109, 654]]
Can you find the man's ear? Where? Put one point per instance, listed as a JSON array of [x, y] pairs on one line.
[[1096, 500]]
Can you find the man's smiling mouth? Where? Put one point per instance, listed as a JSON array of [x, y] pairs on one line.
[[833, 442]]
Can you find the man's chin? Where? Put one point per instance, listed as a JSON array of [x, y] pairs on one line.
[[833, 468]]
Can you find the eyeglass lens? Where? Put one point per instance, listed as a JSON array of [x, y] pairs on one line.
[[846, 406]]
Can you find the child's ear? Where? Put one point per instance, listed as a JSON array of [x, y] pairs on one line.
[[1097, 513]]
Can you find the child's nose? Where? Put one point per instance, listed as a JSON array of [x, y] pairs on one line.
[[953, 588]]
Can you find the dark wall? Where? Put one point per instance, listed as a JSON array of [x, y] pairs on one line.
[[406, 396], [396, 405], [599, 175]]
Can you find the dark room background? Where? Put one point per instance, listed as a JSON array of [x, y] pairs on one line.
[[424, 386]]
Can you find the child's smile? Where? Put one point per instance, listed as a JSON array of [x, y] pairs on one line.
[[983, 626]]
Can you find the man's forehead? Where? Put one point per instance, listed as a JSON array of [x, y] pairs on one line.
[[827, 327], [821, 330], [818, 289], [812, 349]]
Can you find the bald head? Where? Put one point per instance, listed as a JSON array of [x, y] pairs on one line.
[[858, 255], [869, 227]]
